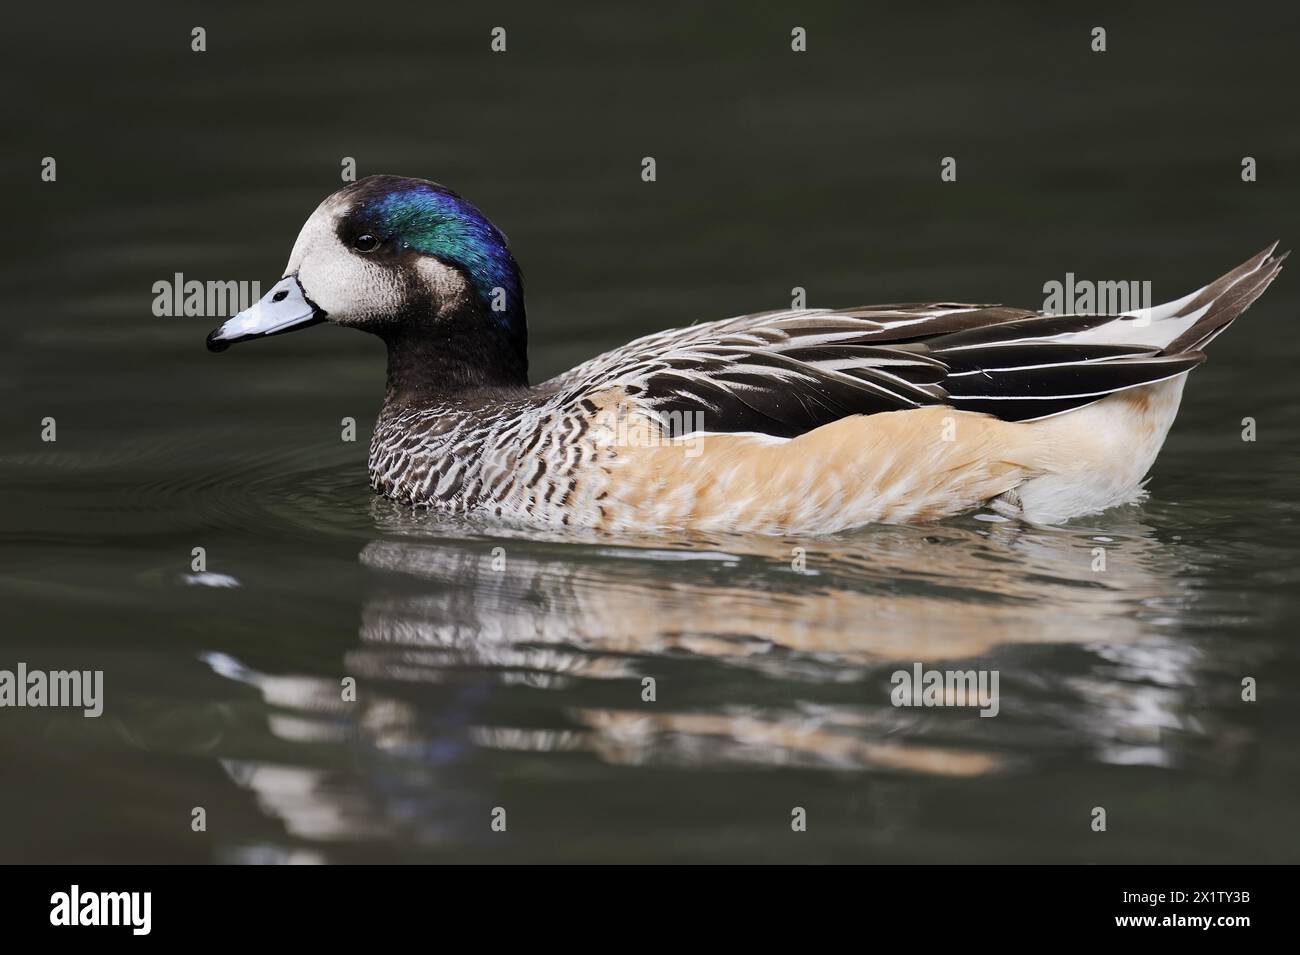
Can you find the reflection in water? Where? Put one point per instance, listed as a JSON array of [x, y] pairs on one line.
[[765, 652]]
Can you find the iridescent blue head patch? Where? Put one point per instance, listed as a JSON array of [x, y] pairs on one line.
[[429, 219]]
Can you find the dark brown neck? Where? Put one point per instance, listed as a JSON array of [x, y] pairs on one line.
[[455, 355]]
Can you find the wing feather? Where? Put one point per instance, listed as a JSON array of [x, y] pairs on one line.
[[785, 373]]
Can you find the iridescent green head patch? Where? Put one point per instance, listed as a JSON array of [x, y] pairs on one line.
[[429, 219]]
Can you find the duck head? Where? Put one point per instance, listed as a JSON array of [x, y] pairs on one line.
[[414, 263]]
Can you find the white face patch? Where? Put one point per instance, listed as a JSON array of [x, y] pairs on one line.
[[447, 284], [352, 288]]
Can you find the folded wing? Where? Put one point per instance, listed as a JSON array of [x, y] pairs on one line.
[[785, 373]]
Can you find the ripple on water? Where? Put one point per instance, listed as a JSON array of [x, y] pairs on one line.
[[280, 491]]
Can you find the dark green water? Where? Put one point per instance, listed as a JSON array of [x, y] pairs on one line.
[[520, 687]]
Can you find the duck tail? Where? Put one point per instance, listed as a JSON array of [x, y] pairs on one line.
[[1197, 319]]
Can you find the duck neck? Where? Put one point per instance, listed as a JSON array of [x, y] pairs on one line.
[[459, 355]]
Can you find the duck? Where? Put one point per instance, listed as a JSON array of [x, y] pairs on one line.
[[791, 422]]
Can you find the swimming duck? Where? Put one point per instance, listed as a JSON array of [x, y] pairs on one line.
[[802, 421]]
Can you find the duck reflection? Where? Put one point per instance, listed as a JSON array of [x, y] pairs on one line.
[[780, 651], [476, 645]]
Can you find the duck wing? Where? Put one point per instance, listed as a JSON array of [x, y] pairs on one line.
[[786, 373]]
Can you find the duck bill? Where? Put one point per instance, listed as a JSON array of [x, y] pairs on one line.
[[285, 308]]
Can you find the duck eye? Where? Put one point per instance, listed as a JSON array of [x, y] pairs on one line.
[[365, 243]]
